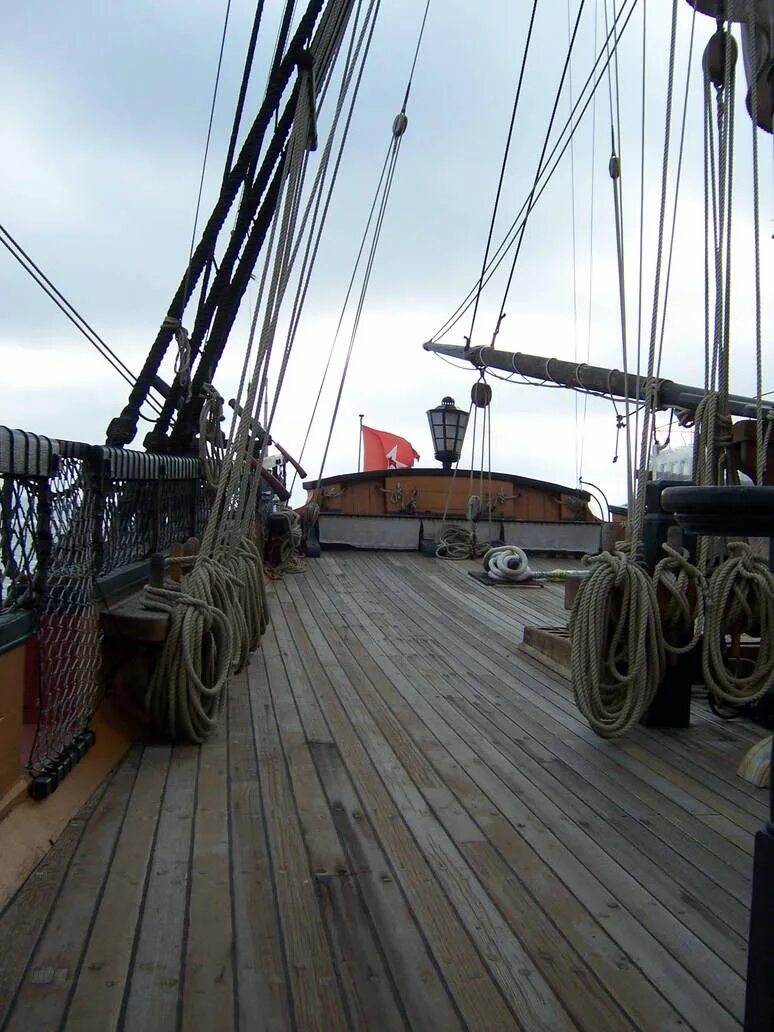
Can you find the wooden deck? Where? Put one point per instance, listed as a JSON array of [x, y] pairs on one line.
[[402, 822]]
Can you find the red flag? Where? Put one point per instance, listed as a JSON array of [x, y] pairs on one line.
[[382, 450]]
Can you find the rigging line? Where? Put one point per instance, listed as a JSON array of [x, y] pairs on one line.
[[678, 177], [345, 135], [248, 67], [532, 201], [760, 442], [639, 512], [574, 260], [641, 259], [556, 154], [246, 72], [318, 221], [67, 309], [351, 284], [365, 233], [363, 290], [503, 167], [506, 243], [615, 172], [416, 55], [207, 147], [592, 192]]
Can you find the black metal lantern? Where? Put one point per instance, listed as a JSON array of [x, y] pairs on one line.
[[447, 425]]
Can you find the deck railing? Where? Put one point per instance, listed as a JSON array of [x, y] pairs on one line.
[[76, 522]]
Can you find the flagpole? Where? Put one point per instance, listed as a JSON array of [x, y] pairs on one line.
[[360, 442]]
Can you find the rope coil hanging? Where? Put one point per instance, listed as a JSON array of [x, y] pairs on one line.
[[617, 656], [740, 602], [681, 590]]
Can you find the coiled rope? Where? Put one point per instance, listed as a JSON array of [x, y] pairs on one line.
[[185, 694], [617, 657], [290, 559], [455, 542], [681, 590], [508, 563], [740, 601]]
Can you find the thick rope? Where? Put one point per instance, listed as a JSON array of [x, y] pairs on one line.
[[682, 591], [617, 646], [508, 563], [455, 542], [740, 602], [291, 554]]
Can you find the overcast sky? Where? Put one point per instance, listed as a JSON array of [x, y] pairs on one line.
[[103, 116]]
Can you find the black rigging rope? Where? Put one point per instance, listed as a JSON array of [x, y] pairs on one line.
[[36, 273], [416, 55], [572, 123], [246, 73], [502, 170], [207, 143], [532, 200]]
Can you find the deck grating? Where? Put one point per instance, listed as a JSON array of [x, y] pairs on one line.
[[402, 821]]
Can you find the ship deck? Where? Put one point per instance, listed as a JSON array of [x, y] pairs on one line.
[[402, 822]]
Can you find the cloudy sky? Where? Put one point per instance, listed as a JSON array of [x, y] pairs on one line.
[[103, 117]]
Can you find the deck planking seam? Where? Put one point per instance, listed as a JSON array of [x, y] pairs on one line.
[[400, 844], [375, 771], [154, 991], [188, 889], [464, 846], [262, 986], [315, 982], [94, 982], [18, 946], [75, 937], [207, 970], [624, 948], [411, 995], [355, 952]]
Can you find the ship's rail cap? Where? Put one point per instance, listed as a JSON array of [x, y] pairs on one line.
[[123, 464], [24, 454]]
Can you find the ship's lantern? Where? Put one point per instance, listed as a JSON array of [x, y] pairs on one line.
[[447, 425]]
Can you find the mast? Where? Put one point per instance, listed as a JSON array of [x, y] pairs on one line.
[[608, 383]]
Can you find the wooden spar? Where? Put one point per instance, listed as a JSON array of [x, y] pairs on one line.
[[593, 379]]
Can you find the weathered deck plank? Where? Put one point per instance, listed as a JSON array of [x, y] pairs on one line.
[[403, 822], [55, 964], [655, 933], [106, 965], [25, 915]]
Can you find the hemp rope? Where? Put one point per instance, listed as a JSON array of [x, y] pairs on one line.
[[617, 656], [740, 601], [683, 589]]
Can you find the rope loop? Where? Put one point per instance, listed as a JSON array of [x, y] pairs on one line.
[[681, 590], [455, 542], [740, 602], [617, 647]]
